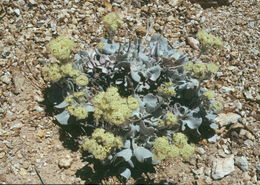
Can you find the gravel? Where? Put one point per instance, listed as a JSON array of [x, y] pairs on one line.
[[37, 143]]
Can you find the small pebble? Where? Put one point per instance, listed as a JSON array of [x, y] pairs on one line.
[[201, 151], [17, 11], [6, 78], [65, 162], [23, 172], [38, 98], [2, 154]]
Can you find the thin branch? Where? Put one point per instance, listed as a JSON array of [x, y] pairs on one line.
[[38, 174]]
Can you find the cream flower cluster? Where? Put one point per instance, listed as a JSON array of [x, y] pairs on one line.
[[166, 89], [112, 21], [112, 107], [169, 120], [55, 72], [201, 70], [75, 108], [61, 47], [208, 39], [101, 143], [163, 149]]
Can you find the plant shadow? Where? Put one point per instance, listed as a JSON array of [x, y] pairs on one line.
[[98, 173]]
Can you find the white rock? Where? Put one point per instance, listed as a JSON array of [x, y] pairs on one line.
[[225, 89], [17, 11], [38, 98], [222, 167], [242, 163], [65, 162], [225, 119], [38, 109], [16, 125], [201, 150], [213, 139]]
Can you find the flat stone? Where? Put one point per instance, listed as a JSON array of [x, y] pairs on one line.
[[225, 119], [222, 167], [242, 163]]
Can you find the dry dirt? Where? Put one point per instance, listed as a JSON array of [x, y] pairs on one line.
[[35, 150]]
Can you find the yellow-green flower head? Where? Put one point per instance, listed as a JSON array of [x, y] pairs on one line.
[[162, 149], [186, 151], [112, 21], [179, 139], [94, 148], [117, 117], [213, 68], [78, 111], [79, 96], [112, 107], [200, 70], [53, 71], [103, 142], [67, 68], [209, 94], [216, 106], [69, 99], [208, 39], [132, 103], [101, 45], [74, 73], [61, 47], [170, 119], [81, 80], [160, 122], [167, 89]]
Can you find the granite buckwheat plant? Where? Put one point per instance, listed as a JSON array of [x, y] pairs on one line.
[[142, 100]]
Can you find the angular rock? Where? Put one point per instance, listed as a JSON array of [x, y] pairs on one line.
[[225, 119], [242, 163], [222, 167]]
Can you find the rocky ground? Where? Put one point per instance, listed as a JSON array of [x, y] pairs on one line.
[[35, 150]]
